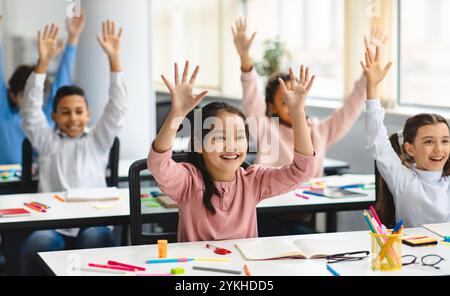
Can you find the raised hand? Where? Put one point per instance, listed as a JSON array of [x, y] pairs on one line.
[[377, 38], [241, 40], [110, 42], [374, 71], [296, 92], [183, 99], [243, 43], [75, 26], [49, 47]]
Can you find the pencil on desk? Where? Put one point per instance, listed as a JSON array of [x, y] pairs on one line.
[[246, 270], [217, 269], [58, 198]]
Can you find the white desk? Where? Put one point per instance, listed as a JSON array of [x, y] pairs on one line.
[[68, 215], [59, 263]]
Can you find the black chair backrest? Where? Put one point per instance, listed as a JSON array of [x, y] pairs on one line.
[[136, 217], [113, 164], [384, 205], [30, 186], [27, 184]]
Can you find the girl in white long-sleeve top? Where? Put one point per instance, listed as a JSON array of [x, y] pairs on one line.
[[417, 175]]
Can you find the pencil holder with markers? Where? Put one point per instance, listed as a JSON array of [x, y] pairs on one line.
[[386, 251]]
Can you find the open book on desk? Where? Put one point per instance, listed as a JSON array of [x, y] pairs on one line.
[[92, 194], [441, 229], [276, 248]]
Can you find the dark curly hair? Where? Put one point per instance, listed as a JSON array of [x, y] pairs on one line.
[[271, 88]]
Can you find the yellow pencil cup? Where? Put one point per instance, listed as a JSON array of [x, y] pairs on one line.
[[386, 251]]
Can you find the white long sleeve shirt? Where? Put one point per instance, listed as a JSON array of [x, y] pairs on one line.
[[65, 162], [420, 197]]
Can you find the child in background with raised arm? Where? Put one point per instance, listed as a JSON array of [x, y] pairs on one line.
[[416, 171], [217, 197], [11, 98], [274, 141], [72, 156]]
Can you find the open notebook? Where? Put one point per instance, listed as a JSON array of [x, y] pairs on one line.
[[441, 229], [301, 248], [92, 194]]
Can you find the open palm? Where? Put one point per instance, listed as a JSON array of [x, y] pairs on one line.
[[295, 94], [241, 41], [183, 99], [373, 70], [48, 44], [110, 41]]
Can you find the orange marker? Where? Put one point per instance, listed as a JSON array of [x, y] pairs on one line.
[[58, 198], [246, 270]]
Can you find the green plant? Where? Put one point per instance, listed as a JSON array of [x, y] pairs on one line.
[[273, 52]]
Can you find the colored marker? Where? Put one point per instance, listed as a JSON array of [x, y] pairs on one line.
[[313, 193], [58, 198], [110, 267], [231, 271], [41, 205], [447, 239], [35, 208], [115, 263], [93, 269], [168, 260], [397, 227], [332, 271], [246, 270], [302, 196], [374, 214]]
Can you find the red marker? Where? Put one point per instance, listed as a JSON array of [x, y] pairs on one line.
[[35, 208], [114, 263], [110, 267]]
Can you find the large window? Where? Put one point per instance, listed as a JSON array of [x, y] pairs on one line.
[[312, 32], [187, 30], [424, 52]]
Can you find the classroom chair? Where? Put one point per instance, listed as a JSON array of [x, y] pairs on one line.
[[136, 216], [28, 185], [384, 204]]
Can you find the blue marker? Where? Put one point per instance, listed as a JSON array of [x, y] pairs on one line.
[[313, 193], [169, 260], [397, 227], [332, 271], [447, 239]]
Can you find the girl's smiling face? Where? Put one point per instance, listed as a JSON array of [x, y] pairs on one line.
[[225, 146], [431, 147]]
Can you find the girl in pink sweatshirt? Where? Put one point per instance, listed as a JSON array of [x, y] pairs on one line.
[[275, 141], [217, 197]]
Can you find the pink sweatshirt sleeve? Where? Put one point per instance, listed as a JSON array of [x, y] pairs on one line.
[[253, 102], [180, 181], [268, 181], [336, 126]]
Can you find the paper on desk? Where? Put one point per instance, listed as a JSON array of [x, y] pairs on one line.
[[92, 194]]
